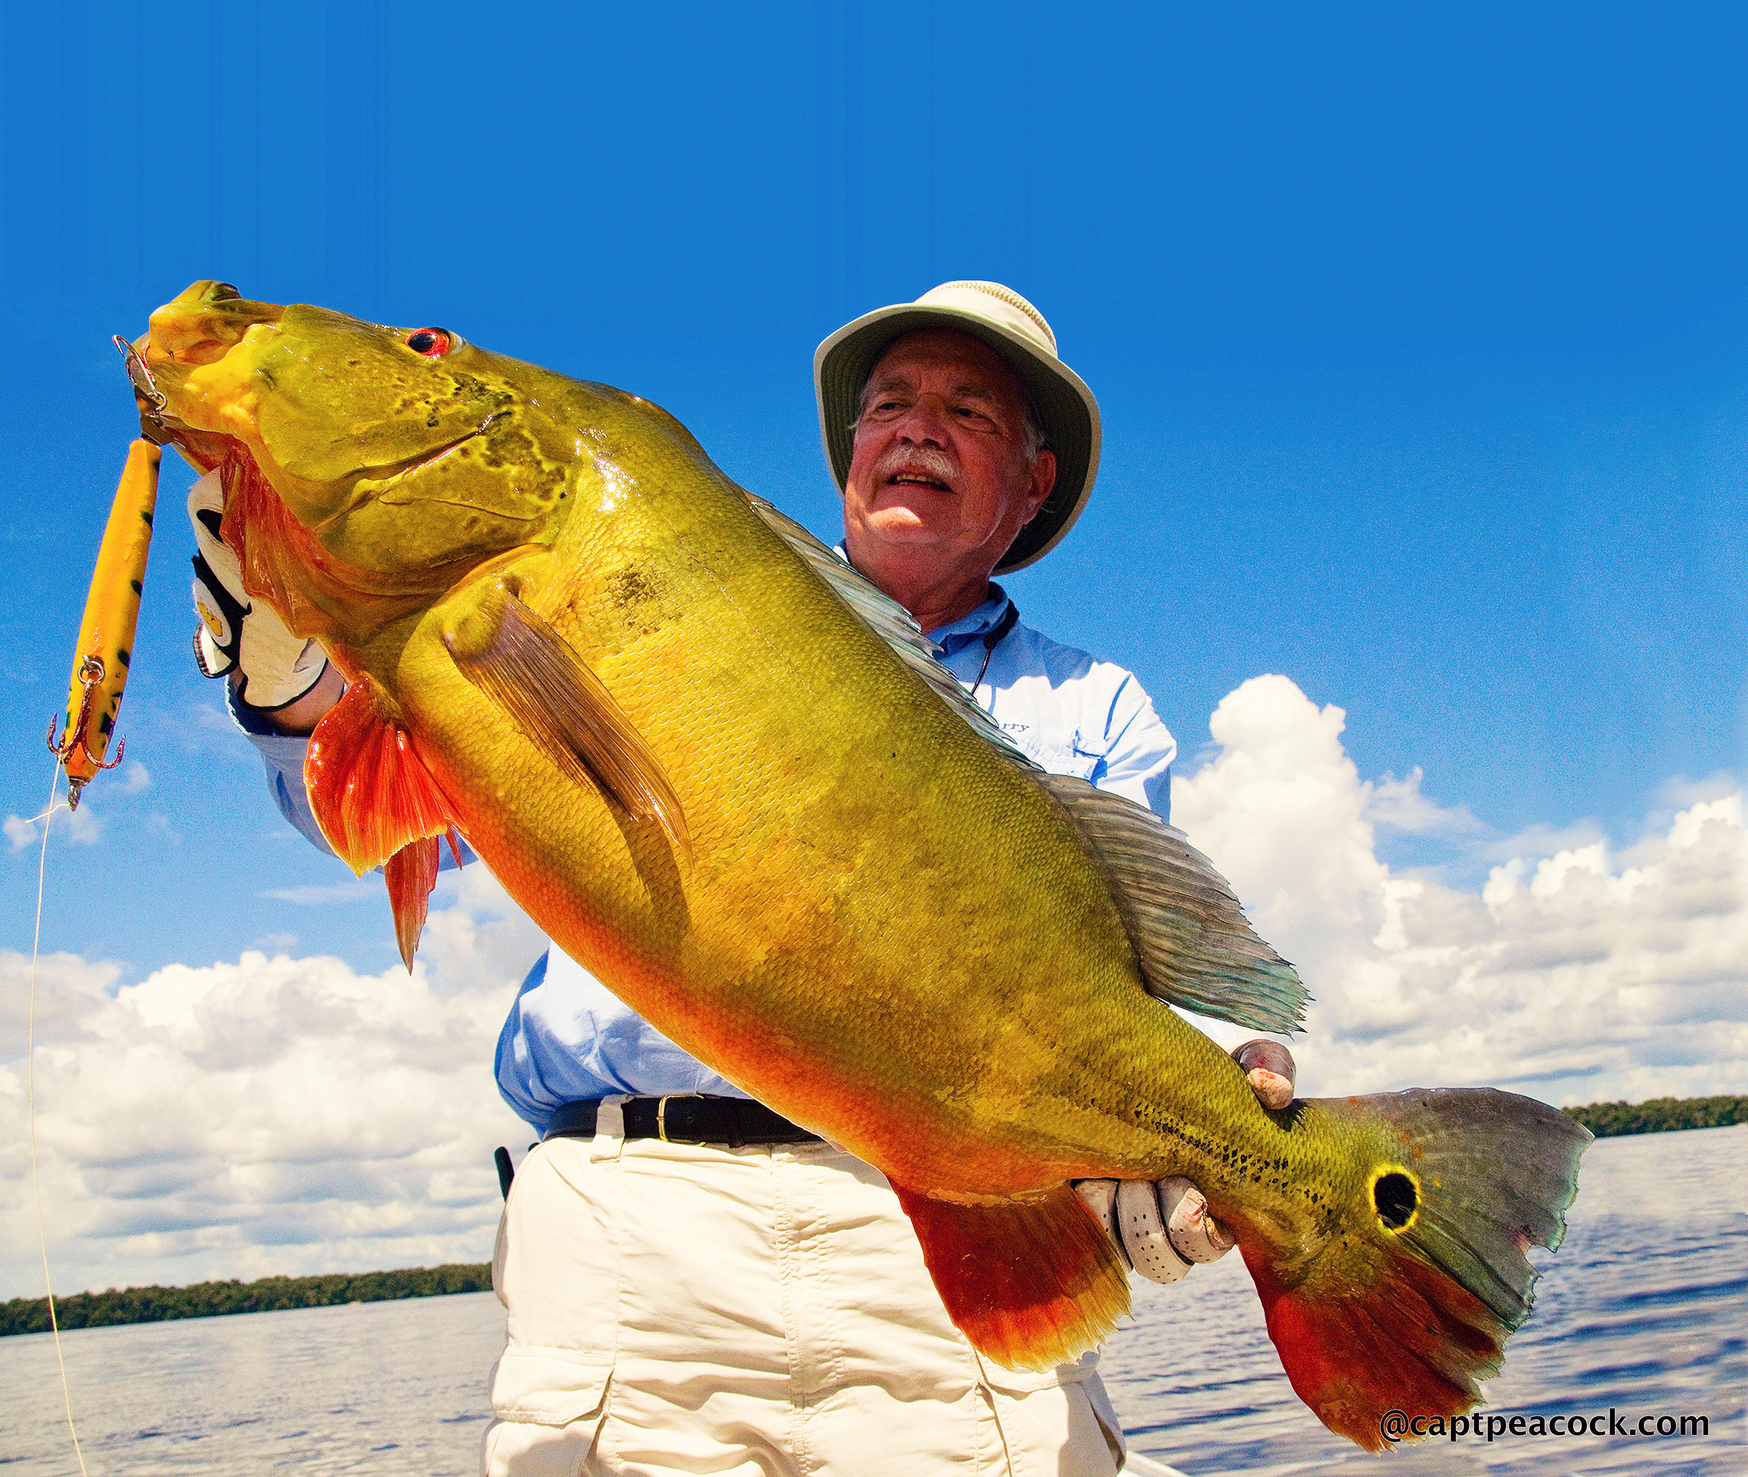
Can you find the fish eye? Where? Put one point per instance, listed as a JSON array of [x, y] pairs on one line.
[[431, 342]]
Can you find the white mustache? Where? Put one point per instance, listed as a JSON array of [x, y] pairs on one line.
[[918, 461]]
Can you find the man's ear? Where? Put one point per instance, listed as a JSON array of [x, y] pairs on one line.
[[1043, 479]]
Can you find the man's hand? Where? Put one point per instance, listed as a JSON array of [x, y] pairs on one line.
[[1163, 1228], [272, 667]]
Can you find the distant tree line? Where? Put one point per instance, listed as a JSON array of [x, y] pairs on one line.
[[270, 1294], [1661, 1115], [212, 1299]]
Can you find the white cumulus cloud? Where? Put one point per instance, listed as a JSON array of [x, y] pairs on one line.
[[316, 894], [1578, 974], [263, 1115], [278, 1114]]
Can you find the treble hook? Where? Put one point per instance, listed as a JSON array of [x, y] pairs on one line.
[[72, 742]]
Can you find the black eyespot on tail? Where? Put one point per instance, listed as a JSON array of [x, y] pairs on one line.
[[1396, 1198]]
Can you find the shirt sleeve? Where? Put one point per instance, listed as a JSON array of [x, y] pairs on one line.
[[1139, 751], [282, 756]]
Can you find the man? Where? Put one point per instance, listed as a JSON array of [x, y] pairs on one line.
[[694, 1283]]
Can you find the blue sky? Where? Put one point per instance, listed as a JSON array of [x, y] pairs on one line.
[[1421, 337], [1420, 341]]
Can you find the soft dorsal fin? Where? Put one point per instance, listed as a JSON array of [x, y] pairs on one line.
[[890, 621], [1196, 948]]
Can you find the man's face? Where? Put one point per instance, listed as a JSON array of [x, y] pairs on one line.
[[939, 467]]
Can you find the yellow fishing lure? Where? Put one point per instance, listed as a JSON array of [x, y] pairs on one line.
[[106, 635]]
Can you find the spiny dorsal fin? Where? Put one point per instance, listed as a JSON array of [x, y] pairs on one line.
[[1196, 948], [890, 621], [519, 661]]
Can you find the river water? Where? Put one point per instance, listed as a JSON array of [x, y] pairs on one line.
[[1644, 1310]]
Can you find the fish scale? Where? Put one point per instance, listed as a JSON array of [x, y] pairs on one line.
[[722, 772]]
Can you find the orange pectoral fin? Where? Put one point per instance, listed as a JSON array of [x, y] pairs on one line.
[[525, 666], [378, 804], [1032, 1283]]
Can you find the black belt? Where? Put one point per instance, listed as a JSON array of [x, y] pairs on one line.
[[685, 1119]]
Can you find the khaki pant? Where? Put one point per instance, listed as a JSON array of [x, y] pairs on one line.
[[684, 1309]]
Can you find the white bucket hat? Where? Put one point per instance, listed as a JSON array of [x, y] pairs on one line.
[[1067, 413]]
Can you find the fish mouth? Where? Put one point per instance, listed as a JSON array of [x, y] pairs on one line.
[[375, 481], [198, 330], [391, 476], [204, 323]]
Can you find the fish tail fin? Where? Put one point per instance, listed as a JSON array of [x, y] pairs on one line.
[[1032, 1283], [1421, 1280]]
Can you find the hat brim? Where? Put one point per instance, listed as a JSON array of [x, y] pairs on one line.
[[1067, 412]]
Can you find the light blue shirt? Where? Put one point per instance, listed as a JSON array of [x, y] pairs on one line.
[[569, 1037]]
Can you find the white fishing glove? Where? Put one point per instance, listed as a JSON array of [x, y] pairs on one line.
[[276, 667], [1163, 1227]]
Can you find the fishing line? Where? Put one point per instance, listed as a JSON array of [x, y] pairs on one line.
[[42, 1238]]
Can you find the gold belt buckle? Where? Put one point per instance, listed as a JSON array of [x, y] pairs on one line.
[[662, 1113]]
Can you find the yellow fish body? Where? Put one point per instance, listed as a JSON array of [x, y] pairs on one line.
[[724, 774]]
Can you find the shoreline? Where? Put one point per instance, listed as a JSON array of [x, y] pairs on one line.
[[222, 1299], [275, 1294], [1660, 1115]]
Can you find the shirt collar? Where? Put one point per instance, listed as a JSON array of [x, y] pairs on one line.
[[974, 624], [970, 626]]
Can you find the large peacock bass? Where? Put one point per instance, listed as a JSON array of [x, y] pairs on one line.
[[724, 773]]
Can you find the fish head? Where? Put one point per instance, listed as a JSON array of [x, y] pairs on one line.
[[393, 447]]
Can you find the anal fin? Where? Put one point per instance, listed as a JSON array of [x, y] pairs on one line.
[[1032, 1283], [378, 804], [525, 666]]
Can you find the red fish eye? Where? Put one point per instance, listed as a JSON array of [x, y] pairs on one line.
[[430, 342]]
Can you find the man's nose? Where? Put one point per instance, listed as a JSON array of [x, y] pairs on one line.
[[926, 420]]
